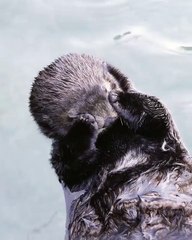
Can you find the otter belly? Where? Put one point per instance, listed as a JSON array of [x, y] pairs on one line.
[[70, 197]]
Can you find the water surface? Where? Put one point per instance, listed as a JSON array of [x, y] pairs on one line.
[[150, 41]]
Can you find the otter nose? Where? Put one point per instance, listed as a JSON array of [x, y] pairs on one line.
[[100, 121]]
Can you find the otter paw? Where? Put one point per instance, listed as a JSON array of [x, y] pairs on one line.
[[88, 119], [114, 99]]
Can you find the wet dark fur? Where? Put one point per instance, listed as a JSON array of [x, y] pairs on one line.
[[127, 202], [136, 174]]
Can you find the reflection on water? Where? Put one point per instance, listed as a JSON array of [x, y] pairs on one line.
[[142, 36], [99, 3], [117, 37], [187, 48], [150, 41]]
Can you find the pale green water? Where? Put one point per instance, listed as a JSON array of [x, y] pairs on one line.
[[151, 41]]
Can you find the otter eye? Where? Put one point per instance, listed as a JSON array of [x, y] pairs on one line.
[[113, 86]]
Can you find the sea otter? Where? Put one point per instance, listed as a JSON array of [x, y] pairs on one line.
[[141, 174], [132, 180]]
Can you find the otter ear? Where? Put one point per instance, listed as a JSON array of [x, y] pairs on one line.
[[122, 80], [72, 113]]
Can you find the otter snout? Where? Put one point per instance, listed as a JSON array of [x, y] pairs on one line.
[[100, 121]]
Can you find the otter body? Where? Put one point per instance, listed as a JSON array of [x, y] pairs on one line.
[[72, 85], [132, 180]]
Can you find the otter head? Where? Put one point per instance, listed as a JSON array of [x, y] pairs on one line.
[[95, 102], [94, 99]]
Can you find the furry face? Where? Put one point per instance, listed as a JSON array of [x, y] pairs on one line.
[[73, 84]]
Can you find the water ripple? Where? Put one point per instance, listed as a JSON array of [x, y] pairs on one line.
[[141, 35], [99, 3], [187, 48]]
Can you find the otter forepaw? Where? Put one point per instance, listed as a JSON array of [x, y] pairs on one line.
[[88, 119], [114, 100], [113, 96]]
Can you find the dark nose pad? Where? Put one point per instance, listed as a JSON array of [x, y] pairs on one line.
[[109, 121]]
